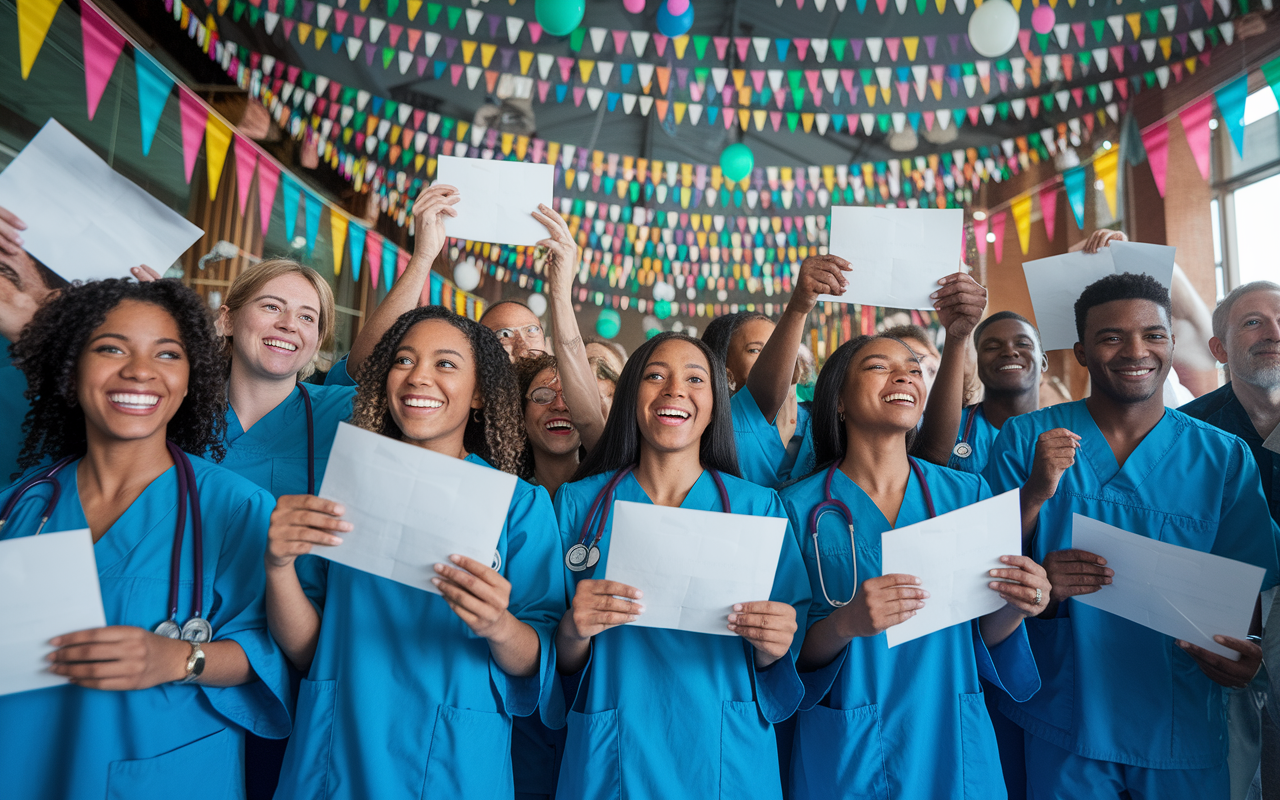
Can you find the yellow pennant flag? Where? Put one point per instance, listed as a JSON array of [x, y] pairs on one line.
[[1104, 168], [585, 65], [526, 59], [1135, 23], [508, 139], [321, 35], [338, 225], [34, 19], [1021, 209], [468, 50], [222, 6], [217, 138], [761, 116], [364, 5], [912, 43], [680, 43], [486, 54], [304, 32], [414, 6]]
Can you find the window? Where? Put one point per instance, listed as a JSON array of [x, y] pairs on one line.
[[1247, 193]]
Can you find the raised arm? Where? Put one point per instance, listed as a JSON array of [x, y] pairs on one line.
[[429, 213], [22, 289], [959, 303], [578, 379], [770, 378]]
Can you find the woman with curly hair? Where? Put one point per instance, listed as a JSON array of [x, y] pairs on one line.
[[653, 712], [114, 369], [408, 693]]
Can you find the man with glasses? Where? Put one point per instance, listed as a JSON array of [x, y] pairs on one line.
[[517, 327]]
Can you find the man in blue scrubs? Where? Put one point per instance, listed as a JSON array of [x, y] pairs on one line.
[[1125, 711], [1246, 337]]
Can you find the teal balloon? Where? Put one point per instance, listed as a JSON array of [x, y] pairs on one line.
[[652, 332], [559, 17], [662, 309], [737, 161], [673, 25], [608, 323]]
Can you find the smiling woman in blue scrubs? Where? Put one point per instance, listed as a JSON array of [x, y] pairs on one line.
[[410, 694], [908, 722], [117, 368], [657, 713]]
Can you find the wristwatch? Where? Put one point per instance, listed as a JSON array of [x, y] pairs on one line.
[[195, 664]]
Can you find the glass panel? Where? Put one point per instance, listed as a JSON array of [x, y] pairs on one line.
[[1257, 234]]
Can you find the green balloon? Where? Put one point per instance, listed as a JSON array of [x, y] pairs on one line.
[[608, 323], [737, 161], [559, 17], [662, 309], [652, 332]]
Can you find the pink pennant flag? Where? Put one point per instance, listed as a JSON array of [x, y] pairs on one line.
[[980, 234], [997, 227], [268, 179], [722, 46], [246, 163], [102, 47], [1156, 142], [535, 31], [373, 250], [1049, 208], [194, 118], [742, 43], [1195, 123], [619, 41]]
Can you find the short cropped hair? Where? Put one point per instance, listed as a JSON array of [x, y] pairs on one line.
[[1223, 312], [1000, 316], [1125, 286]]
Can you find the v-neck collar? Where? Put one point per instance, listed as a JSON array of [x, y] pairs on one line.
[[235, 430], [909, 498], [1149, 453], [703, 495], [125, 533]]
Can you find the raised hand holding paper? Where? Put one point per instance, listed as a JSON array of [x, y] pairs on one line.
[[86, 221], [498, 198], [952, 555], [897, 255], [48, 588], [411, 508], [1177, 591], [692, 565], [1055, 283]]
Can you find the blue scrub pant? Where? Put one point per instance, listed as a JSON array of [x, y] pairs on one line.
[[1057, 774]]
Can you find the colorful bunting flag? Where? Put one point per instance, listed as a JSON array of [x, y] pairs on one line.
[[1156, 142], [1073, 182], [312, 206], [268, 179], [195, 118], [102, 47], [1049, 209], [338, 225], [358, 235], [246, 164], [374, 243], [1105, 167], [1231, 99], [1195, 124], [217, 139], [34, 19], [292, 197], [154, 88], [1021, 210], [997, 227]]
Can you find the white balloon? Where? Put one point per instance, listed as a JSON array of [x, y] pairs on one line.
[[663, 291], [650, 322], [722, 295], [691, 293], [466, 276], [993, 28], [538, 304]]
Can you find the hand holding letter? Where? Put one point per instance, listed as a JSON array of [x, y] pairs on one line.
[[959, 303], [1222, 670], [1029, 577], [299, 522], [819, 275], [769, 626], [881, 603]]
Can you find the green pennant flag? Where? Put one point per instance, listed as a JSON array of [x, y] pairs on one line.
[[700, 46], [797, 99], [883, 122], [254, 13], [392, 105], [1212, 32], [866, 76], [957, 115], [308, 80], [984, 153], [433, 12], [1034, 140], [792, 119], [446, 127], [358, 120], [1153, 19], [387, 55], [794, 76], [1003, 65], [289, 6], [382, 150], [1002, 109], [634, 192], [1244, 7], [1092, 92], [1043, 39], [348, 94], [1271, 71], [238, 9], [837, 48], [1149, 78], [946, 161], [921, 5], [1099, 29], [575, 39], [968, 69], [392, 5], [1046, 100], [701, 74], [453, 13]]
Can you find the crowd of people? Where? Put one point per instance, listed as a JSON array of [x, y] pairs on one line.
[[522, 677]]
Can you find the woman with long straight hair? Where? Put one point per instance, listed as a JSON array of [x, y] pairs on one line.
[[651, 712], [410, 694], [906, 722], [125, 383]]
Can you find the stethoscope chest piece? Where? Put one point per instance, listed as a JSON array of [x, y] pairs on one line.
[[962, 450], [168, 629], [581, 558]]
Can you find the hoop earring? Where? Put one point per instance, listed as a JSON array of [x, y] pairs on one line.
[[475, 416], [841, 415]]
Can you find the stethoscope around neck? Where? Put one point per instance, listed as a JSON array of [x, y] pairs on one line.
[[197, 628], [831, 505], [586, 553], [963, 448]]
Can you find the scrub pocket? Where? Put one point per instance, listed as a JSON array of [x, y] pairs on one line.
[[748, 753], [1053, 649], [470, 755], [592, 766], [307, 760], [983, 778], [211, 767], [838, 753]]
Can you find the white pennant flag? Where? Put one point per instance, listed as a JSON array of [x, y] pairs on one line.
[[1170, 14], [322, 84], [593, 97], [646, 103], [270, 21], [598, 36], [473, 76], [775, 79], [628, 102], [353, 47], [1116, 21], [430, 41], [514, 26], [406, 61], [1228, 31], [433, 121], [761, 44], [874, 45], [1062, 31], [376, 27], [362, 99], [695, 113], [645, 73], [819, 46], [474, 16], [718, 77], [1100, 58], [1107, 88], [545, 62], [639, 41], [604, 70], [323, 12], [1149, 49], [403, 113]]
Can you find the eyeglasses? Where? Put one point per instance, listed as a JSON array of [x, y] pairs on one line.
[[545, 395], [527, 332]]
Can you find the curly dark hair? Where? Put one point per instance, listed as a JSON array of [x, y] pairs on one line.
[[48, 353], [495, 433], [1121, 286], [526, 370]]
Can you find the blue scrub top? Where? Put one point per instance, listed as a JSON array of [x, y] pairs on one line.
[[13, 410], [273, 453], [1115, 690], [402, 700], [762, 456], [908, 722], [661, 713], [71, 742], [981, 436]]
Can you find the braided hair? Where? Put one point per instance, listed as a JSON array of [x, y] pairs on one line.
[[494, 433], [48, 353]]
